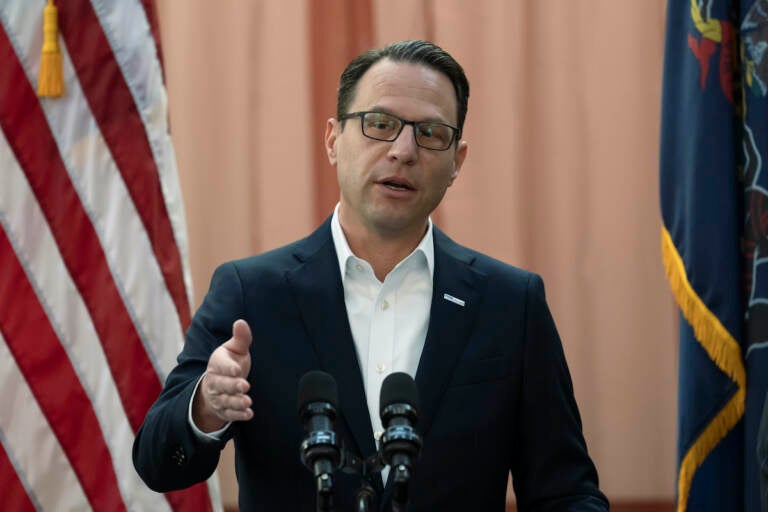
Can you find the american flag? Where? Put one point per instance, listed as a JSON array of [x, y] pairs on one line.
[[94, 277]]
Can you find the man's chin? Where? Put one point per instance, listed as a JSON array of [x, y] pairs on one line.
[[395, 224]]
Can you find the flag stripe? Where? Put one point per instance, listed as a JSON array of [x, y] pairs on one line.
[[102, 191], [32, 448], [55, 384], [85, 244], [153, 109], [150, 11], [30, 138], [14, 495], [131, 28], [33, 242], [125, 25], [110, 100], [195, 498]]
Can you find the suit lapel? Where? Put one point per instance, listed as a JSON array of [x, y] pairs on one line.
[[317, 287], [450, 325], [455, 300]]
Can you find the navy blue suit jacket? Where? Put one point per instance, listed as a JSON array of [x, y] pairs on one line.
[[494, 388]]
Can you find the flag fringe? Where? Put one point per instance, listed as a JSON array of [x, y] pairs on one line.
[[724, 351], [715, 431]]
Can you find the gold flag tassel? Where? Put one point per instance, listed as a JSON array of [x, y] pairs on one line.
[[51, 80]]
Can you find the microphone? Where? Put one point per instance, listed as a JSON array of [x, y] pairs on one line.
[[400, 444], [320, 450]]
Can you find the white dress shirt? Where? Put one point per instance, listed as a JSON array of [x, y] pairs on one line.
[[388, 320]]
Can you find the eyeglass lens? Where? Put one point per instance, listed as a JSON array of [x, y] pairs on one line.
[[381, 126]]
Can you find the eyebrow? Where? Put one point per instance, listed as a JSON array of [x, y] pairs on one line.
[[427, 120]]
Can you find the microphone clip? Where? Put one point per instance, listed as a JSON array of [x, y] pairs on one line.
[[320, 450], [400, 444]]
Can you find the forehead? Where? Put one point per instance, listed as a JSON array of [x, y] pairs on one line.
[[414, 91]]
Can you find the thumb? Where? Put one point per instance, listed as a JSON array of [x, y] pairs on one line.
[[241, 338]]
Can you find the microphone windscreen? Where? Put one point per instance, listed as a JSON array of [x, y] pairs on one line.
[[398, 388], [317, 386]]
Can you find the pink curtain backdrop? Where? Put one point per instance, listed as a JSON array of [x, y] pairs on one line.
[[561, 176]]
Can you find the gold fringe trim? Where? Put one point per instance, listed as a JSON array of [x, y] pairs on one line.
[[724, 351]]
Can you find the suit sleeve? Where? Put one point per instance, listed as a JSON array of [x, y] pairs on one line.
[[551, 468], [166, 452]]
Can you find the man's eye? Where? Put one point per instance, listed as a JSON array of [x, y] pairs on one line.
[[433, 131], [379, 122]]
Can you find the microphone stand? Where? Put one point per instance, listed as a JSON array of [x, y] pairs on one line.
[[325, 493], [366, 495], [400, 478]]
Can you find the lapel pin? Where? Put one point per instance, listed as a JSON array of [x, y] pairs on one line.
[[451, 298]]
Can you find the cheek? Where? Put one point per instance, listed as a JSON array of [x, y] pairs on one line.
[[348, 158], [444, 178], [356, 163], [348, 173]]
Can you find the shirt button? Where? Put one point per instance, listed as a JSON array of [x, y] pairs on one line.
[[381, 367], [384, 305], [359, 267]]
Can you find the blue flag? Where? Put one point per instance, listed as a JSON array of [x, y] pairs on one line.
[[714, 202]]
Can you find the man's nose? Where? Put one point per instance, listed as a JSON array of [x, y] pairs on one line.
[[404, 147]]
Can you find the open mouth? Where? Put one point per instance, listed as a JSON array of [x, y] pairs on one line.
[[396, 185]]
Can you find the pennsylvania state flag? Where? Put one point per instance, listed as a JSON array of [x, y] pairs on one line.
[[714, 201]]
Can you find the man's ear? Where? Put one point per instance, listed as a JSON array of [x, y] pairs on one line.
[[332, 127], [458, 159]]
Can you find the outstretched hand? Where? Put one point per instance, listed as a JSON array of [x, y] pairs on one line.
[[222, 395]]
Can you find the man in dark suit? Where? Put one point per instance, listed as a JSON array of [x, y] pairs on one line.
[[376, 289]]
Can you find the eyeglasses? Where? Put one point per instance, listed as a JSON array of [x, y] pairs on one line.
[[386, 127]]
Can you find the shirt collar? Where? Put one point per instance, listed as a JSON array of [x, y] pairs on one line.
[[343, 252]]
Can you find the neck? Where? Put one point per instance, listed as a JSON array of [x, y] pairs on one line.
[[382, 252]]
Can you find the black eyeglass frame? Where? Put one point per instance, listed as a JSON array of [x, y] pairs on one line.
[[403, 122]]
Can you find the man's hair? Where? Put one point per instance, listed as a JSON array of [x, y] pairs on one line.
[[413, 52]]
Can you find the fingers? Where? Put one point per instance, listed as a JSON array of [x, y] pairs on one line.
[[227, 365], [226, 397], [229, 415], [218, 384]]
